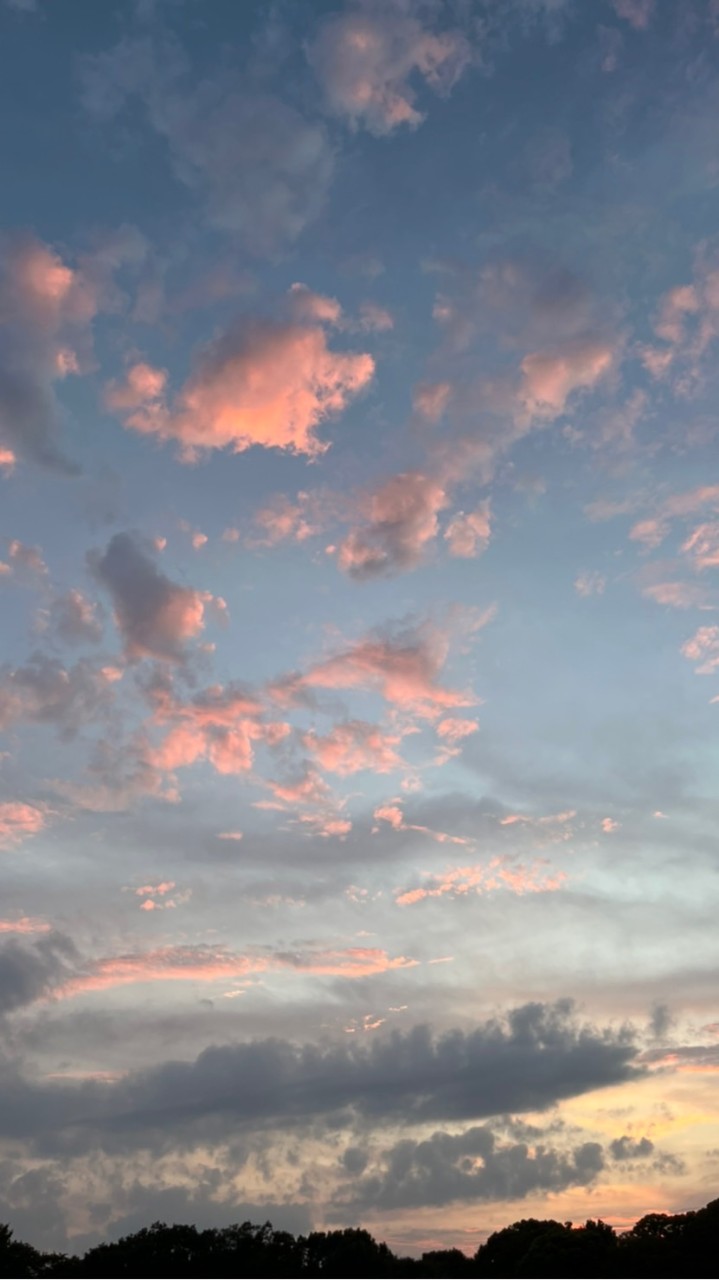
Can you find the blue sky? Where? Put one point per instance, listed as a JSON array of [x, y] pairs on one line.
[[360, 530]]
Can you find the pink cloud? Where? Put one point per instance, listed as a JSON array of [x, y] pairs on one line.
[[404, 668], [230, 835], [18, 822], [220, 724], [550, 378], [401, 520], [7, 460], [431, 399], [394, 817], [679, 595], [590, 584], [453, 730], [215, 964], [610, 825], [636, 12], [367, 57], [468, 535], [75, 619], [703, 648], [375, 319], [702, 546], [155, 616], [157, 890], [458, 881], [353, 746], [25, 557], [267, 383], [285, 521], [650, 532], [143, 385], [25, 924]]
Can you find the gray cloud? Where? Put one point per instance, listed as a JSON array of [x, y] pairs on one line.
[[261, 169], [474, 1165], [44, 691], [74, 619], [538, 1055], [29, 972], [626, 1148], [154, 615]]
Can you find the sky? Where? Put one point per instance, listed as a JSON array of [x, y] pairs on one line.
[[359, 678]]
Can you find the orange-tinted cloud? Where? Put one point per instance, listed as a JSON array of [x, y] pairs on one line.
[[431, 399], [220, 724], [393, 815], [285, 521], [590, 584], [267, 383], [7, 460], [18, 822]]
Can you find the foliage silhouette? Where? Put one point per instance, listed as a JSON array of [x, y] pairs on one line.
[[659, 1245]]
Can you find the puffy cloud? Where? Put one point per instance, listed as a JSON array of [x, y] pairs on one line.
[[468, 535], [353, 746], [703, 648], [404, 667], [534, 1057], [7, 460], [46, 311], [220, 724], [638, 13], [75, 619], [550, 378], [155, 616], [18, 821], [590, 584], [431, 399], [626, 1148], [26, 558], [451, 732], [610, 825], [401, 519], [267, 383], [142, 385], [456, 882], [285, 521], [474, 1165], [261, 169], [44, 691], [366, 57]]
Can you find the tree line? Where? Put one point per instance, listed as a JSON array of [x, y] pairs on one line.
[[659, 1245]]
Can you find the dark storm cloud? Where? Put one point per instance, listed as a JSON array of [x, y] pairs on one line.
[[626, 1148], [538, 1055], [29, 972], [474, 1165]]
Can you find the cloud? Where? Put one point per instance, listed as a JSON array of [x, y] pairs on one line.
[[431, 399], [354, 746], [26, 558], [27, 973], [702, 546], [44, 691], [268, 383], [533, 1058], [155, 616], [219, 964], [18, 821], [401, 520], [626, 1148], [456, 882], [285, 521], [404, 666], [703, 648], [638, 13], [550, 378], [25, 924], [366, 57], [259, 168], [47, 308], [468, 535], [220, 724], [473, 1166], [590, 584], [393, 815], [75, 619]]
